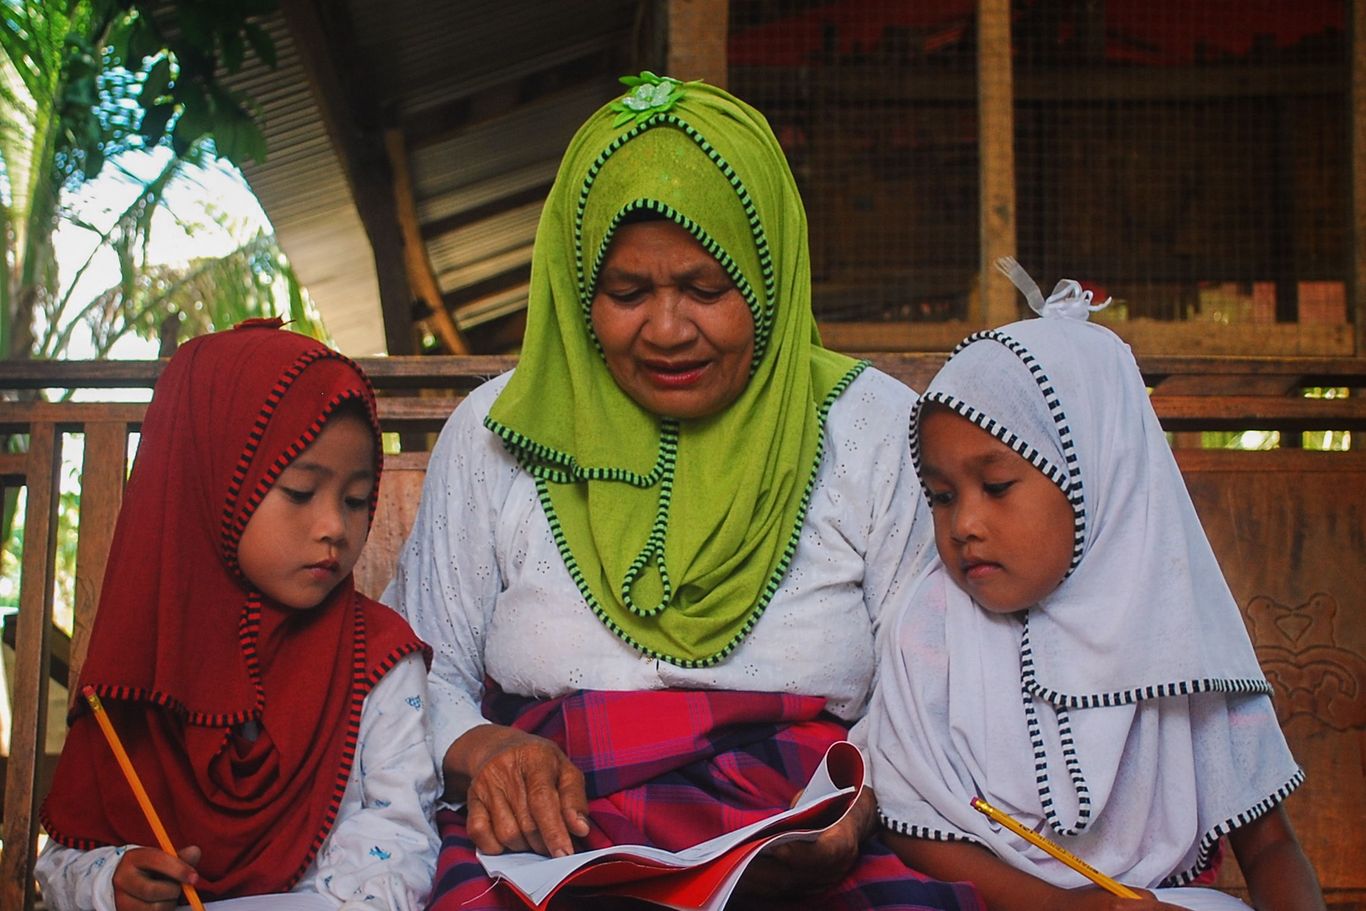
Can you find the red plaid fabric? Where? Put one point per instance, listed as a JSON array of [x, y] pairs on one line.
[[673, 768]]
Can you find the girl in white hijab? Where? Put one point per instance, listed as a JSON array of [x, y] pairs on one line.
[[1075, 657]]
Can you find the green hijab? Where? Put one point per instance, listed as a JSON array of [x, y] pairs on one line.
[[677, 532]]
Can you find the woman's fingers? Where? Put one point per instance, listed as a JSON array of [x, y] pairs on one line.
[[573, 799], [527, 796]]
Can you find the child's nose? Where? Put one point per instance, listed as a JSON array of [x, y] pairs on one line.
[[330, 524], [965, 522]]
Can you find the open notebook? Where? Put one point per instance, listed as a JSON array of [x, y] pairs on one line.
[[284, 901], [697, 878]]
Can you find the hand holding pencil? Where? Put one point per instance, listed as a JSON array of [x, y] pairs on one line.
[[1054, 849], [144, 873]]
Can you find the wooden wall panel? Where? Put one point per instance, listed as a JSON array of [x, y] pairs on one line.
[[1289, 537]]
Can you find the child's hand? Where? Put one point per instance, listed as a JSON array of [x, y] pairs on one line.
[[802, 868], [1093, 898], [149, 879]]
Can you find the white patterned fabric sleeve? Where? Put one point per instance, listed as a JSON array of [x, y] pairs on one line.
[[381, 852], [900, 530], [448, 577], [75, 880]]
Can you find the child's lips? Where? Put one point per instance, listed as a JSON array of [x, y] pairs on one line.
[[979, 569], [323, 566]]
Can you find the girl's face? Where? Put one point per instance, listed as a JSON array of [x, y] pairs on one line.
[[1003, 529], [677, 334], [308, 531]]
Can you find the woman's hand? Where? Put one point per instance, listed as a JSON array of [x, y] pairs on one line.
[[804, 867], [149, 879], [523, 792]]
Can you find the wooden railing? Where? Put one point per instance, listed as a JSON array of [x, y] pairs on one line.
[[1286, 525]]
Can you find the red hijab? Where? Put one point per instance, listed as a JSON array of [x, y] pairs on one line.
[[184, 649]]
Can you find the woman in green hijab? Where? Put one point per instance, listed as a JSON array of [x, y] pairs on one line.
[[651, 560]]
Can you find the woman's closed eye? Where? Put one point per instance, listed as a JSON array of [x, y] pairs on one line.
[[709, 293], [358, 503], [997, 488], [625, 294]]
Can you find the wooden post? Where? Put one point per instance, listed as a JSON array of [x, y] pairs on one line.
[[1357, 267], [102, 478], [421, 278], [31, 662], [697, 33], [996, 142]]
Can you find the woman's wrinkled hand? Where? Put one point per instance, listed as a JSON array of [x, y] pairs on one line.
[[804, 867], [524, 794], [149, 879]]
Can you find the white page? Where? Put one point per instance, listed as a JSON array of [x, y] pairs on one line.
[[282, 901], [537, 875], [1198, 899]]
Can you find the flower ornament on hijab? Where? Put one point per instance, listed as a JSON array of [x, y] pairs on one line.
[[187, 655], [1137, 669], [677, 532]]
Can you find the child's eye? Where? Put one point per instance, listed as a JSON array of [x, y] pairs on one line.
[[940, 498], [357, 502], [294, 494], [997, 489]]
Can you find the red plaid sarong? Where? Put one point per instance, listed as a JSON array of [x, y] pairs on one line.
[[673, 768]]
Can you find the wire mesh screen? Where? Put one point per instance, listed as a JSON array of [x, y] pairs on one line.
[[1189, 158], [875, 104]]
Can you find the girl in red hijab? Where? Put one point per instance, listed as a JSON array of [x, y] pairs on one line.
[[274, 714]]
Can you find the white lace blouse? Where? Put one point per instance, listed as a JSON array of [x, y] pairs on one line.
[[482, 580], [381, 852]]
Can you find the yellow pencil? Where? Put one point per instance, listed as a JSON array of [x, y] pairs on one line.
[[1058, 851], [135, 783]]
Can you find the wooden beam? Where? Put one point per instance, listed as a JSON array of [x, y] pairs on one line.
[[321, 34], [1357, 226], [1147, 337], [996, 145], [421, 278], [877, 84], [697, 33]]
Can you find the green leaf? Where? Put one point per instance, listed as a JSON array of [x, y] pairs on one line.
[[153, 126], [195, 26], [142, 43], [253, 142], [94, 162], [196, 119], [233, 51], [260, 42], [157, 82]]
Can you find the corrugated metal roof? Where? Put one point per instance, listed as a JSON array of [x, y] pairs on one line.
[[486, 95]]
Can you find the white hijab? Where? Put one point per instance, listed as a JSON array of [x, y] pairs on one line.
[[1125, 715]]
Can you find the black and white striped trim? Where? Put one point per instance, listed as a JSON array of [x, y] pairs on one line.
[[925, 832], [1067, 476], [1211, 838], [763, 311], [1232, 686], [653, 550]]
